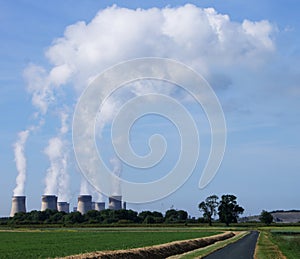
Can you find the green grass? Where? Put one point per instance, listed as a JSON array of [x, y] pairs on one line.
[[265, 248], [277, 242], [62, 242], [288, 243]]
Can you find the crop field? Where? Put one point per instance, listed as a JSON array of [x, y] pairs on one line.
[[45, 243], [275, 242], [288, 243]]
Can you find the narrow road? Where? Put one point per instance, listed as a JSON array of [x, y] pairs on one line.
[[242, 249]]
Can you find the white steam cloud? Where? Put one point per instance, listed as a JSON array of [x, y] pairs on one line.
[[84, 187], [117, 169], [57, 178], [87, 189], [201, 38], [20, 160]]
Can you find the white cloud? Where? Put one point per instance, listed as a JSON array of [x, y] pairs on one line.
[[190, 34], [201, 38]]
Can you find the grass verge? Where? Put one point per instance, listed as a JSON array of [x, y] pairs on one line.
[[266, 249]]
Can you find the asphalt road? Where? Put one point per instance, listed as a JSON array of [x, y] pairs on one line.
[[242, 249]]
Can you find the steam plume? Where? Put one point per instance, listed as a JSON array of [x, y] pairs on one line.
[[117, 169], [20, 160], [57, 178]]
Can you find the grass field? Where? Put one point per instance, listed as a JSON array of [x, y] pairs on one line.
[[283, 242], [62, 242], [288, 243]]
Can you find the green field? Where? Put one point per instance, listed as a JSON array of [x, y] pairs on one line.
[[61, 242], [288, 243], [277, 241]]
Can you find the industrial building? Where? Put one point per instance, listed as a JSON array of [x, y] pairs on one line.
[[18, 205]]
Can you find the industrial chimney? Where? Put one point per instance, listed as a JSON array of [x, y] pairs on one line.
[[115, 202], [18, 205], [49, 202], [84, 203], [63, 206]]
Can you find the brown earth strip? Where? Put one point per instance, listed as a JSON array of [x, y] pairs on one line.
[[157, 251]]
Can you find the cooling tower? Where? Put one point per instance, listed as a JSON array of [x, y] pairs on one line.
[[84, 203], [18, 205], [63, 206], [49, 202], [115, 202], [99, 206]]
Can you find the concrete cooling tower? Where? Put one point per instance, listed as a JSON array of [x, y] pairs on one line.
[[98, 206], [84, 203], [49, 202], [115, 202], [18, 205], [63, 206]]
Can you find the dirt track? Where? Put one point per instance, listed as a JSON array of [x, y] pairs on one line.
[[157, 251]]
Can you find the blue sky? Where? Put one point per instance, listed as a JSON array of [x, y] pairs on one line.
[[255, 75]]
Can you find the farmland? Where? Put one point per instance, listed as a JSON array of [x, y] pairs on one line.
[[43, 243], [276, 242]]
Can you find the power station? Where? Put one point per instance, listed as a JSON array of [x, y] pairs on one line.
[[115, 202], [98, 206], [49, 202], [84, 203], [63, 206], [18, 205]]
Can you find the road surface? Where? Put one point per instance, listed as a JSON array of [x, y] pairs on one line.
[[242, 249]]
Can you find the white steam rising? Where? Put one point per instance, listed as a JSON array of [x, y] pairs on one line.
[[117, 169], [57, 178], [201, 38], [20, 160], [84, 187], [87, 189]]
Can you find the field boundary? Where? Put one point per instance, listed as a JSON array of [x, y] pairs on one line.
[[157, 251]]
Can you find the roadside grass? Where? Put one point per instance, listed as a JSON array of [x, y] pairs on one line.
[[283, 242], [62, 242], [266, 249], [202, 252]]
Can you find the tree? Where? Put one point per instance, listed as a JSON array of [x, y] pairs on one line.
[[266, 217], [208, 207], [176, 216], [229, 210]]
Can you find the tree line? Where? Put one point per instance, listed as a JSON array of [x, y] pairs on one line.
[[226, 208], [106, 216]]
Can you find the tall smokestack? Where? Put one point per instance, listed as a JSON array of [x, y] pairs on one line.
[[49, 202], [18, 205], [115, 202], [84, 203], [63, 206]]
